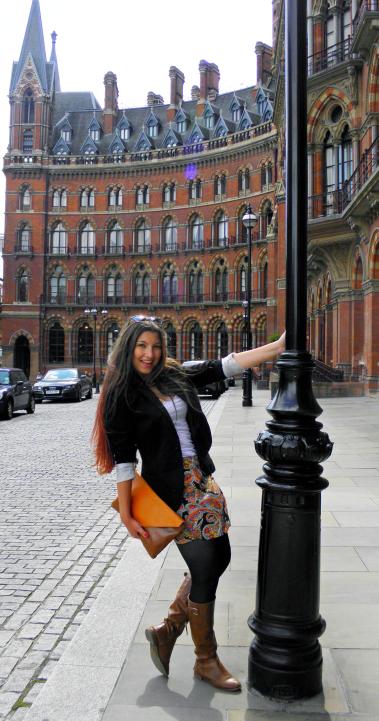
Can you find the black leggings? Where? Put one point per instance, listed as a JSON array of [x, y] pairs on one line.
[[206, 561]]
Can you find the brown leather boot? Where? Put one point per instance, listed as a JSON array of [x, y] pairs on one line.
[[163, 637], [208, 666]]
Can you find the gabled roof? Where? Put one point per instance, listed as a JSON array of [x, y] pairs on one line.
[[61, 146], [172, 138], [143, 142], [116, 145], [223, 127], [89, 146]]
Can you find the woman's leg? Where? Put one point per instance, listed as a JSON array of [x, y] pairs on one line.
[[207, 561]]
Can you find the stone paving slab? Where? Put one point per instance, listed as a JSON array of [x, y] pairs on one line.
[[349, 563]]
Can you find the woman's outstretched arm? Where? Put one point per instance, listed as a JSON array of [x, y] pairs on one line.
[[256, 356]]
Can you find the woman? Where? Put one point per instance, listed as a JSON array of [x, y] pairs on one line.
[[149, 403]]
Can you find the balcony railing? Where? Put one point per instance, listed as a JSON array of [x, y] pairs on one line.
[[173, 299], [329, 57], [367, 6], [335, 202]]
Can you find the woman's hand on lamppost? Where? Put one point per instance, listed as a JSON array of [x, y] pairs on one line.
[[256, 356]]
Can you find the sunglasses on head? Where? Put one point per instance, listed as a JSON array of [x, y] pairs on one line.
[[142, 318]]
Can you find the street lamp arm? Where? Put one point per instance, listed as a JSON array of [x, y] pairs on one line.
[[256, 356]]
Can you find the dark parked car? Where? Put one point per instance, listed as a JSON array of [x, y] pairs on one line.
[[214, 390], [16, 393], [63, 384]]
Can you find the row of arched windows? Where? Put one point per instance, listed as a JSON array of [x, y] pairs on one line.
[[166, 235], [192, 341]]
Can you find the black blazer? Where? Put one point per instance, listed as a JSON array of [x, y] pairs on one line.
[[147, 427]]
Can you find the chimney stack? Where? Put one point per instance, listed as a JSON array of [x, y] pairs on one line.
[[264, 63], [110, 102], [209, 84], [154, 99], [176, 91]]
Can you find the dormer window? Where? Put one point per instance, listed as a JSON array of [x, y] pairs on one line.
[[94, 133], [209, 121], [66, 135], [182, 126], [236, 115], [124, 133], [152, 131]]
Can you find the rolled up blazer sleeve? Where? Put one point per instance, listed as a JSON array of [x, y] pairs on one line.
[[205, 372]]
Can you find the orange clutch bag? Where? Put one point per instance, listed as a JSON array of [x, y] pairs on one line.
[[159, 520]]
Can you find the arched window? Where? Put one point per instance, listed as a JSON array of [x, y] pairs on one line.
[[142, 288], [87, 198], [86, 240], [143, 237], [169, 193], [25, 199], [86, 288], [222, 341], [59, 198], [243, 180], [195, 342], [115, 197], [329, 174], [169, 235], [23, 287], [23, 239], [194, 190], [345, 157], [142, 195], [28, 107], [242, 279], [221, 283], [196, 233], [114, 288], [171, 340], [242, 230], [221, 229], [169, 286], [58, 242], [263, 280], [115, 238], [112, 333], [220, 185], [58, 286], [56, 343], [85, 344], [27, 142], [195, 285], [265, 219]]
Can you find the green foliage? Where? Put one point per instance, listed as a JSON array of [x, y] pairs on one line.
[[273, 337]]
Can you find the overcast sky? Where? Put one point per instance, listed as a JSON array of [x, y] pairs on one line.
[[138, 42]]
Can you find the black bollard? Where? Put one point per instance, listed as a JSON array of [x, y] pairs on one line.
[[285, 658]]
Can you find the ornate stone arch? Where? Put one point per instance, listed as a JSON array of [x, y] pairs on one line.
[[325, 99], [19, 333], [373, 271]]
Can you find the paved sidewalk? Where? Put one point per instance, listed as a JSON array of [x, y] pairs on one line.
[[105, 673]]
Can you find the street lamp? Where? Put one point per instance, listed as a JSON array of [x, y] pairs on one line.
[[285, 658], [93, 312], [249, 220]]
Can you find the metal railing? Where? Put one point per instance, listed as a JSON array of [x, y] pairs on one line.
[[172, 299], [325, 373], [335, 202], [367, 6], [328, 57]]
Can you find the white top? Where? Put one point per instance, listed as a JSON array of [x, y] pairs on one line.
[[177, 410]]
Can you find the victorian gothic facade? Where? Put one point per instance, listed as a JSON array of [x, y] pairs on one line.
[[113, 212], [343, 182]]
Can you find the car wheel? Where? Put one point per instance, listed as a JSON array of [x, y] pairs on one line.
[[79, 396], [30, 408], [8, 413], [38, 400], [89, 394], [215, 396]]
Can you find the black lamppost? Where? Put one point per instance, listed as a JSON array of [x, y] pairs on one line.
[[285, 658], [93, 312], [249, 220]]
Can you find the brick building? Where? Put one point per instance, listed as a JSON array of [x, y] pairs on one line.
[[343, 182], [123, 211]]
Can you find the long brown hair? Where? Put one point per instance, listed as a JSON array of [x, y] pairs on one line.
[[118, 384]]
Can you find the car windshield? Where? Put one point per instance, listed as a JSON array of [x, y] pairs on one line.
[[4, 378], [61, 375]]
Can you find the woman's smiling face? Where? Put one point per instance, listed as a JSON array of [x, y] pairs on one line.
[[147, 352]]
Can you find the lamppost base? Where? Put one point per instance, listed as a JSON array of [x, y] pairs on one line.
[[247, 402], [302, 681]]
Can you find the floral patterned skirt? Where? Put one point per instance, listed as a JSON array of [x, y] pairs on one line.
[[203, 508]]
